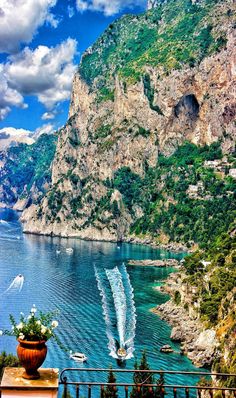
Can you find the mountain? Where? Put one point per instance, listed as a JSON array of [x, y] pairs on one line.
[[152, 105], [25, 172]]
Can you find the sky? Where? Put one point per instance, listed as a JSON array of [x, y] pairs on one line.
[[41, 42]]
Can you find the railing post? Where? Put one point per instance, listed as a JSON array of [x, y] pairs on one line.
[[151, 392], [162, 392], [89, 391], [102, 391], [187, 392], [175, 392]]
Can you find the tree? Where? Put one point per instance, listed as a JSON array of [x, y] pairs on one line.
[[111, 391], [142, 379], [7, 361]]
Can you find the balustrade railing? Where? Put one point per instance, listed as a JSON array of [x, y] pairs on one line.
[[93, 383]]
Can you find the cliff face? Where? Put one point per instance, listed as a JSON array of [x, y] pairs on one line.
[[202, 309], [129, 105], [25, 172]]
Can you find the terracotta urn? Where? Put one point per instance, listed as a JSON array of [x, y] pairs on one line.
[[31, 355]]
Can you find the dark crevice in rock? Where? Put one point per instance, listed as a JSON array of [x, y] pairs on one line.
[[188, 107]]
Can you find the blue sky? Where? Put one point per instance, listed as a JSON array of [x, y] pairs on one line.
[[41, 42]]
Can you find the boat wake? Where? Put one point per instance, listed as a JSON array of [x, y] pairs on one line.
[[16, 285], [118, 309]]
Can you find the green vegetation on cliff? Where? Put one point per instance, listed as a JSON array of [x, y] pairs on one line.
[[213, 271], [219, 263], [164, 195], [171, 35], [27, 168]]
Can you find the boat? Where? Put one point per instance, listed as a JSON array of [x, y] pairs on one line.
[[122, 353], [78, 356], [69, 250], [166, 348]]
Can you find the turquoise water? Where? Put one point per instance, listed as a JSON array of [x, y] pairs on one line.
[[67, 282]]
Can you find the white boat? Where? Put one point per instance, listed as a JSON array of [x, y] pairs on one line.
[[122, 353], [78, 356], [69, 250]]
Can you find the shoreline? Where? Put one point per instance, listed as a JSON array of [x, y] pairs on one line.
[[198, 343], [131, 239], [170, 263], [171, 247]]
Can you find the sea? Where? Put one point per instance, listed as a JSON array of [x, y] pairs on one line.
[[90, 319]]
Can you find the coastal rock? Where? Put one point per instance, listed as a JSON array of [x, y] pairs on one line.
[[155, 263], [199, 345]]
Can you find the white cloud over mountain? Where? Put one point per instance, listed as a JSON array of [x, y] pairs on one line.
[[11, 135], [20, 20], [107, 7], [45, 72], [44, 129]]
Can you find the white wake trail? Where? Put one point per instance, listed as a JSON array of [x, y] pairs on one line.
[[106, 313], [16, 284], [115, 279]]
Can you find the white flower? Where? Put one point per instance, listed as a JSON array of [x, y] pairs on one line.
[[1, 332], [30, 316], [20, 326], [38, 322], [22, 313], [43, 329], [54, 324], [33, 310], [21, 336]]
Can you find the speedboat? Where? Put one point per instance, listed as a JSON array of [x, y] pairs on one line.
[[122, 353], [166, 348], [78, 356], [69, 250]]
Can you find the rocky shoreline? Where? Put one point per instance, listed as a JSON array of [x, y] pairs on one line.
[[155, 263], [198, 343], [149, 241]]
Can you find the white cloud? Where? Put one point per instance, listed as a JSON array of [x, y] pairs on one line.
[[71, 11], [44, 129], [20, 20], [8, 96], [48, 116], [107, 7], [11, 135], [44, 72], [82, 5]]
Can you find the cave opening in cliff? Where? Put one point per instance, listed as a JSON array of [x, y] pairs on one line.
[[187, 106]]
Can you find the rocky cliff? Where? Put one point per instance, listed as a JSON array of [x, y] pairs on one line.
[[25, 172], [202, 308], [150, 83]]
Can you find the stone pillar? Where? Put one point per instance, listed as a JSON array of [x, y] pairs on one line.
[[13, 385]]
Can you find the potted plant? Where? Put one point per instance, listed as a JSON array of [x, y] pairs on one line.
[[32, 332]]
